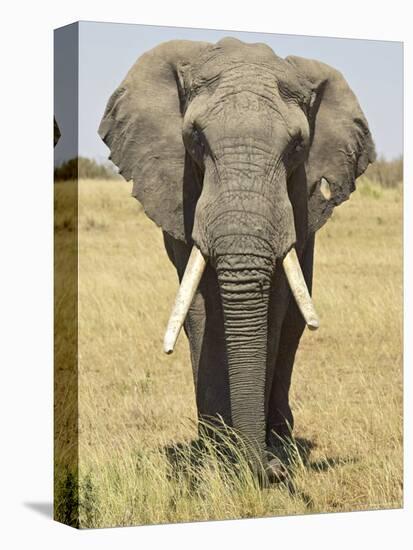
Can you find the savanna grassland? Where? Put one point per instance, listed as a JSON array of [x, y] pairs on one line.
[[137, 460]]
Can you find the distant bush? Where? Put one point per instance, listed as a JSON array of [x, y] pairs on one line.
[[387, 173], [81, 167]]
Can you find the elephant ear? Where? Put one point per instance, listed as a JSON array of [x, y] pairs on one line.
[[341, 143], [142, 126]]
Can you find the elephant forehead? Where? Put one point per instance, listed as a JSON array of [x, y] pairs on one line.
[[228, 72], [241, 51], [251, 95]]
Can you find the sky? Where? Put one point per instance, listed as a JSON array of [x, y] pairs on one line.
[[373, 69]]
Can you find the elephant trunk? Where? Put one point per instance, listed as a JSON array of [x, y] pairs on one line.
[[245, 294]]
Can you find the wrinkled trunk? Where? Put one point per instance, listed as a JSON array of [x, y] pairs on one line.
[[245, 295]]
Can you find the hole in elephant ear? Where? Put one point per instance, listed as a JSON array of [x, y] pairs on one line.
[[341, 144], [325, 189]]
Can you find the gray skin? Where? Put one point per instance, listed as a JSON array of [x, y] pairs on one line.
[[227, 145]]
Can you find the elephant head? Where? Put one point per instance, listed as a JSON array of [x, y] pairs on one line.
[[243, 155]]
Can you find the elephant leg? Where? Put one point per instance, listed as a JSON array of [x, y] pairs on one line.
[[204, 327], [280, 418]]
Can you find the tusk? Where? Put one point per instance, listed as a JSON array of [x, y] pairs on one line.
[[299, 289], [190, 281]]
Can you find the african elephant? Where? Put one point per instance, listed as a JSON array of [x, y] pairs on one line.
[[239, 156]]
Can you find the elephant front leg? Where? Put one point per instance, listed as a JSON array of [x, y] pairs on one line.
[[280, 420], [204, 327], [205, 331]]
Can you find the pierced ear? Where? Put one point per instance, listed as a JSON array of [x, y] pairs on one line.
[[341, 143], [142, 126]]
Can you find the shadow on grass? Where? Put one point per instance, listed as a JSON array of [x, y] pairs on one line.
[[299, 450], [187, 459], [188, 452], [328, 463], [216, 440], [289, 451]]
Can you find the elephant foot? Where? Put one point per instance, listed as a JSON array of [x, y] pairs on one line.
[[278, 454], [275, 469]]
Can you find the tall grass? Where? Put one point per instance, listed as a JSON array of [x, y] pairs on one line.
[[139, 454]]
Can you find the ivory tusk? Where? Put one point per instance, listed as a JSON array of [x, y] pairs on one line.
[[299, 289], [190, 281]]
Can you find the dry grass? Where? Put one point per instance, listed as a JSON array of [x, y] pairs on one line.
[[135, 402]]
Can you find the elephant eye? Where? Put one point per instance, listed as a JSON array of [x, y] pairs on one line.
[[296, 151], [195, 144], [298, 145], [301, 140], [196, 136], [198, 140]]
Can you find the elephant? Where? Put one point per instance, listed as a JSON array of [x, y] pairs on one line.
[[239, 156]]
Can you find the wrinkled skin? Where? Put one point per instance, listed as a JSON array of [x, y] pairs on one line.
[[245, 155]]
